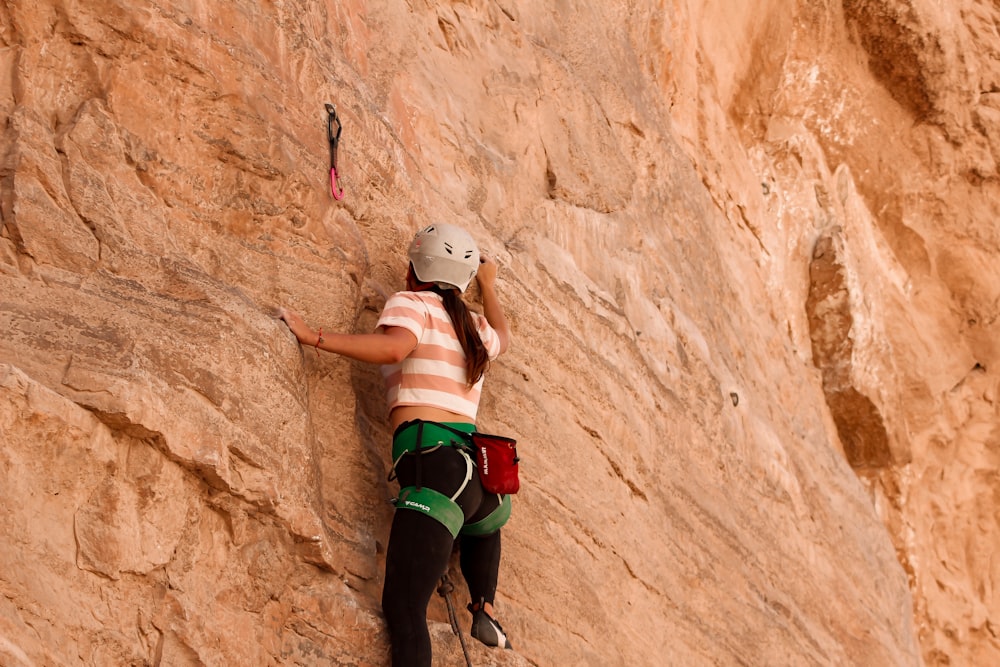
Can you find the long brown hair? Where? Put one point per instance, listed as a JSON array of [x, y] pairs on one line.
[[477, 359]]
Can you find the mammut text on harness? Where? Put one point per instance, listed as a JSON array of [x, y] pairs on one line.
[[334, 136]]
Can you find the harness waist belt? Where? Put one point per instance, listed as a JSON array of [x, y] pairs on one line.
[[431, 436]]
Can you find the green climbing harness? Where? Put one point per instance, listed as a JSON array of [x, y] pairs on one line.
[[493, 521], [410, 438], [434, 504]]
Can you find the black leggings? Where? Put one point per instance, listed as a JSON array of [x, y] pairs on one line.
[[419, 550]]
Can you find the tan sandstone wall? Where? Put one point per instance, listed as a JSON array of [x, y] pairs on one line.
[[748, 252]]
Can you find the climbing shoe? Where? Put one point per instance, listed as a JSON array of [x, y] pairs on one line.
[[487, 630]]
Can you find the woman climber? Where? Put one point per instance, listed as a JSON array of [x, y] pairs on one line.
[[434, 352]]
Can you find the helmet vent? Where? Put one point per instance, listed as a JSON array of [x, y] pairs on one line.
[[449, 248]]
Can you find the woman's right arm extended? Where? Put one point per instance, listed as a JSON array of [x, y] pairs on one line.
[[487, 277], [389, 345]]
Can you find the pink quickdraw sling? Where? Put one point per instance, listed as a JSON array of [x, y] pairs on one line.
[[335, 188]]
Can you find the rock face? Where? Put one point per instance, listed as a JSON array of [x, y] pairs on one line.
[[749, 255]]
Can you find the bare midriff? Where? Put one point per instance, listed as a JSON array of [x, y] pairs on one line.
[[405, 413]]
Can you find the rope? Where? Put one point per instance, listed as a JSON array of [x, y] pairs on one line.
[[444, 591]]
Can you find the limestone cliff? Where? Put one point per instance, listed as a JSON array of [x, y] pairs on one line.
[[749, 256]]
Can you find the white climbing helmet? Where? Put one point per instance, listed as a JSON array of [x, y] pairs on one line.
[[444, 254]]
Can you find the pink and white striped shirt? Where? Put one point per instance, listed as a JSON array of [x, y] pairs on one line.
[[433, 374]]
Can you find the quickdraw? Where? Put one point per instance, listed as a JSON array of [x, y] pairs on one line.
[[335, 189]]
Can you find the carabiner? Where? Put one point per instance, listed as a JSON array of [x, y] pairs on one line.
[[334, 138]]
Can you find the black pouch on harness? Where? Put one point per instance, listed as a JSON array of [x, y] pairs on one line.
[[496, 459]]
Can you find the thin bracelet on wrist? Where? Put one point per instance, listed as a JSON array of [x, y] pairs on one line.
[[319, 341]]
